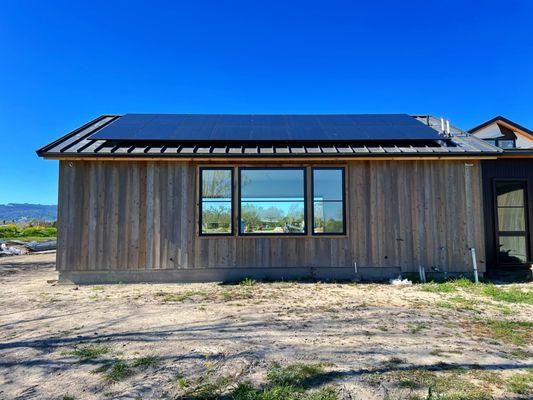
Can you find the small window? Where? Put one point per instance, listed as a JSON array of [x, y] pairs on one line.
[[506, 144], [328, 201], [491, 141], [216, 194], [272, 201]]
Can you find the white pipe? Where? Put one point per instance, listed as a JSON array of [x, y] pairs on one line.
[[422, 274], [355, 267], [448, 126], [474, 263], [442, 125]]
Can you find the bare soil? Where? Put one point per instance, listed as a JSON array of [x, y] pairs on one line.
[[370, 337]]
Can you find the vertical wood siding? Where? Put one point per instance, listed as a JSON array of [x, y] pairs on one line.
[[143, 215]]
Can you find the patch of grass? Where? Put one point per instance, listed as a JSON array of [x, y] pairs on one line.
[[147, 361], [448, 286], [90, 351], [510, 295], [520, 354], [417, 327], [449, 385], [98, 288], [242, 293], [521, 383], [301, 375], [118, 371], [246, 391], [518, 333], [247, 282], [178, 297], [206, 388]]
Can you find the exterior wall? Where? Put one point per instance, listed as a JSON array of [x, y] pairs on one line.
[[514, 168], [137, 221]]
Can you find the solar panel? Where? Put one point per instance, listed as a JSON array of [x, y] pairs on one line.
[[266, 128]]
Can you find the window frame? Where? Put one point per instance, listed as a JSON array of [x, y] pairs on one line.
[[525, 233], [201, 200], [239, 201], [343, 233]]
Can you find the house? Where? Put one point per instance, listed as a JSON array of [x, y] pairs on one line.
[[505, 134], [507, 194], [182, 198]]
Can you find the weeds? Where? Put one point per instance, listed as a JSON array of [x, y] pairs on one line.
[[521, 383], [90, 351], [147, 361], [518, 333], [247, 282]]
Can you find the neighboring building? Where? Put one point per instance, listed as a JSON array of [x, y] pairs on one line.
[[505, 134], [159, 198], [508, 195]]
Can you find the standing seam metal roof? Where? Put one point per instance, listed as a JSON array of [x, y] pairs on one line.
[[80, 143]]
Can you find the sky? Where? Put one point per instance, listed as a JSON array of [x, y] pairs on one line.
[[64, 63]]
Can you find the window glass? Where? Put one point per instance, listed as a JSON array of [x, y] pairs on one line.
[[512, 250], [511, 219], [328, 207], [491, 141], [272, 201], [510, 193], [506, 144], [216, 207]]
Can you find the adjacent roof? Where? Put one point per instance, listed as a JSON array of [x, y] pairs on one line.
[[266, 128], [94, 139], [502, 119]]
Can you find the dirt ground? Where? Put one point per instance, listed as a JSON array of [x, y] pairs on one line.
[[152, 341]]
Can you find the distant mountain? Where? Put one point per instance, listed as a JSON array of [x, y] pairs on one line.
[[24, 212]]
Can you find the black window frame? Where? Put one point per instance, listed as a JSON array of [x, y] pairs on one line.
[[239, 201], [343, 233], [232, 202], [525, 233]]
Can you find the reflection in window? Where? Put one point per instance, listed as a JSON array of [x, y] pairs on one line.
[[328, 200], [511, 222], [272, 201], [502, 143], [215, 201]]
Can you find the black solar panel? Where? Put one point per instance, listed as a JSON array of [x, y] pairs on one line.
[[267, 128]]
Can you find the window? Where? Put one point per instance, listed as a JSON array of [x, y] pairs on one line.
[[511, 225], [272, 201], [328, 201], [506, 144], [216, 211], [502, 143]]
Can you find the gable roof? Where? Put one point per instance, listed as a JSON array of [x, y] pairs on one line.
[[500, 118], [91, 140]]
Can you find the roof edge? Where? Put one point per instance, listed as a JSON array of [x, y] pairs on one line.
[[40, 152], [503, 119]]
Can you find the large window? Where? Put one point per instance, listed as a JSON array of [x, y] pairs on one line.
[[511, 226], [328, 201], [272, 201], [216, 188]]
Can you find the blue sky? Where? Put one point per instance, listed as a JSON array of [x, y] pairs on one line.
[[64, 63]]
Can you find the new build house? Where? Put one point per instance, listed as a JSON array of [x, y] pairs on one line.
[[180, 198]]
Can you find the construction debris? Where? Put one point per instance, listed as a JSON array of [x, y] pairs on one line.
[[400, 281], [9, 251], [41, 246]]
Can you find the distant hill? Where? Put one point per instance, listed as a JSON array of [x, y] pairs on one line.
[[24, 212]]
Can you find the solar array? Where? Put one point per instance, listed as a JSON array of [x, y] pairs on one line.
[[266, 128]]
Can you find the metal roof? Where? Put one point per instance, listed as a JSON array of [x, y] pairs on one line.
[[84, 143], [266, 128]]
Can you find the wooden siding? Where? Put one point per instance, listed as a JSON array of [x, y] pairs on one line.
[[126, 215]]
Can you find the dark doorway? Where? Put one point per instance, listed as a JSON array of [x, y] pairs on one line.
[[512, 236]]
